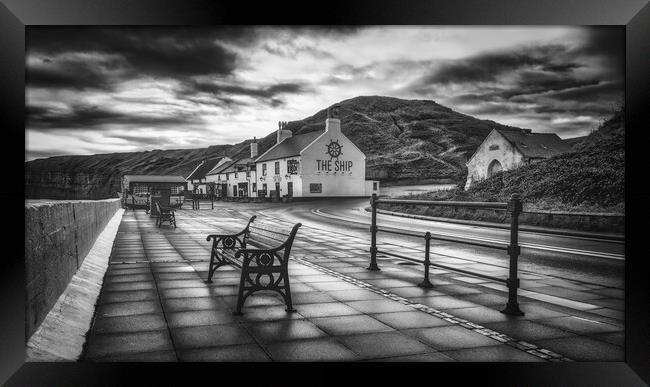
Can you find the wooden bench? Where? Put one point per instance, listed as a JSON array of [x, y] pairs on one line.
[[263, 267], [165, 214]]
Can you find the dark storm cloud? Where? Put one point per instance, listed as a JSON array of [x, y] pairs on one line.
[[539, 83], [607, 42], [161, 52], [601, 90], [140, 140], [268, 94], [69, 74], [290, 49], [92, 117], [150, 51], [285, 44], [489, 66], [326, 31]]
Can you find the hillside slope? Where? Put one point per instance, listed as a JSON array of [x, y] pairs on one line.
[[402, 139], [589, 178]]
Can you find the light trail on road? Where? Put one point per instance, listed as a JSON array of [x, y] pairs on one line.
[[319, 212]]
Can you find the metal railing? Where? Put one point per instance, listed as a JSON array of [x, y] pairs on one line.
[[513, 206], [196, 200]]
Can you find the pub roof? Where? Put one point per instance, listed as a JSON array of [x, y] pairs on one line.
[[290, 147], [202, 169]]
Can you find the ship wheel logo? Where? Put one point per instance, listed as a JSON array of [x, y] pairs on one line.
[[334, 149]]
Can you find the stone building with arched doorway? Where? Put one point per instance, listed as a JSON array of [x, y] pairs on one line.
[[506, 149]]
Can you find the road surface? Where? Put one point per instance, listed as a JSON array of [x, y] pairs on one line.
[[590, 260]]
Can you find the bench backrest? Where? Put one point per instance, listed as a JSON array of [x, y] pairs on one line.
[[163, 208], [269, 236]]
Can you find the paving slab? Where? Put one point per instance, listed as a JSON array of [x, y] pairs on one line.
[[159, 308], [284, 330], [347, 325], [450, 337], [236, 353], [385, 344], [311, 350], [210, 336], [498, 353], [585, 349], [410, 319], [133, 323], [100, 345]]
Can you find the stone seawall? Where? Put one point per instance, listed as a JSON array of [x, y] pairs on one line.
[[58, 236]]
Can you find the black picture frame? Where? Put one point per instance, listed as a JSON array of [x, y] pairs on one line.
[[634, 15]]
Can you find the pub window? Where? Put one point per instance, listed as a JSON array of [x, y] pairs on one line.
[[374, 186], [254, 187], [235, 175], [315, 188], [140, 190], [264, 187], [292, 167], [277, 167], [494, 147], [264, 169]]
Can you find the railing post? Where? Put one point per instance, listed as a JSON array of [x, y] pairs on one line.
[[514, 208], [373, 235], [426, 283]]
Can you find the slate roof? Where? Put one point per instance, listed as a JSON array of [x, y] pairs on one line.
[[155, 178], [290, 147], [222, 168], [535, 145], [231, 166], [204, 168]]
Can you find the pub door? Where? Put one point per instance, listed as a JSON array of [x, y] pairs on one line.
[[224, 190], [277, 190], [290, 189]]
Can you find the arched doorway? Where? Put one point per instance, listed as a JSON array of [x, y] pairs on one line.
[[494, 168]]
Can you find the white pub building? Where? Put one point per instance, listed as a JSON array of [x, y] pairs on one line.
[[323, 163], [315, 164]]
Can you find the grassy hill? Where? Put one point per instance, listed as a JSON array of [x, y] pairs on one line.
[[590, 178], [402, 140]]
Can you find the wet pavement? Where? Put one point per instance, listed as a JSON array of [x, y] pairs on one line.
[[155, 306]]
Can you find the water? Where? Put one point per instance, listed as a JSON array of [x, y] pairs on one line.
[[400, 190]]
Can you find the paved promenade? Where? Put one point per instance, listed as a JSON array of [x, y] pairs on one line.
[[155, 306]]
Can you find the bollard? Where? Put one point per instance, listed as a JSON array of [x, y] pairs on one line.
[[373, 235], [515, 208], [426, 283], [212, 201]]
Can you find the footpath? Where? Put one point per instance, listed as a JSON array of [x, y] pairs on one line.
[[155, 306]]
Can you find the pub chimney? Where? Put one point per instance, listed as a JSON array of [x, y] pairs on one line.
[[333, 123], [283, 133], [254, 148]]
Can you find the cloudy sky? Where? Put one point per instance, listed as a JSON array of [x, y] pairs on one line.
[[100, 90]]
